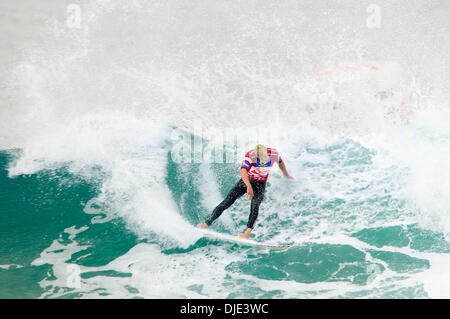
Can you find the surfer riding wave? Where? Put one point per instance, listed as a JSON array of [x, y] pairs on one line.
[[254, 174]]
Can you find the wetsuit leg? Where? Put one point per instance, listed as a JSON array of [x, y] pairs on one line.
[[259, 189], [237, 191]]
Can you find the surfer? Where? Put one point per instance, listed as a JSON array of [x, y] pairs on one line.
[[254, 174]]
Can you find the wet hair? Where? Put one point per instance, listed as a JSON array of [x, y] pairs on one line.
[[261, 151]]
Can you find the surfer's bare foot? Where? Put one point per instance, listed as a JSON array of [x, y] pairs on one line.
[[246, 235], [202, 225], [243, 236]]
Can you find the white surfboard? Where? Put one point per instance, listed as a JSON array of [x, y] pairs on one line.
[[245, 242]]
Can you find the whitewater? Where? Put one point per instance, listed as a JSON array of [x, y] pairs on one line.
[[122, 128]]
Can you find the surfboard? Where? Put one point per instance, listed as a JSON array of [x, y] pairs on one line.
[[244, 242]]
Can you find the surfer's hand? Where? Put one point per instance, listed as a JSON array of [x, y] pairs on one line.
[[202, 225], [249, 192]]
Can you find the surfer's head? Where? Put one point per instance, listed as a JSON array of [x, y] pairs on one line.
[[261, 153]]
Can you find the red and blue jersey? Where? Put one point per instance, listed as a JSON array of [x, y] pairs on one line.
[[260, 171]]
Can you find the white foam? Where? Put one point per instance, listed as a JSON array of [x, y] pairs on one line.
[[10, 266], [93, 100], [126, 156]]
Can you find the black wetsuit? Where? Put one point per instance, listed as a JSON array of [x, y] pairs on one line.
[[238, 190]]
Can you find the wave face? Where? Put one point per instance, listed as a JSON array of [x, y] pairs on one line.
[[96, 204]]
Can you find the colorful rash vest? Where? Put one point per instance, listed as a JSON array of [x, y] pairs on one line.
[[260, 171]]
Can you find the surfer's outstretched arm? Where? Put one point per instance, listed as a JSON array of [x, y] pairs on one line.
[[284, 170]]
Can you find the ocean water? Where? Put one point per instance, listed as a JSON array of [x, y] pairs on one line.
[[95, 202]]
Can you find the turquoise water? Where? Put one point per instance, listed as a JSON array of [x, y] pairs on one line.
[[95, 204], [35, 211], [359, 242]]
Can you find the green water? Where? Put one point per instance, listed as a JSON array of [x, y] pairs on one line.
[[34, 211], [93, 206], [38, 209]]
